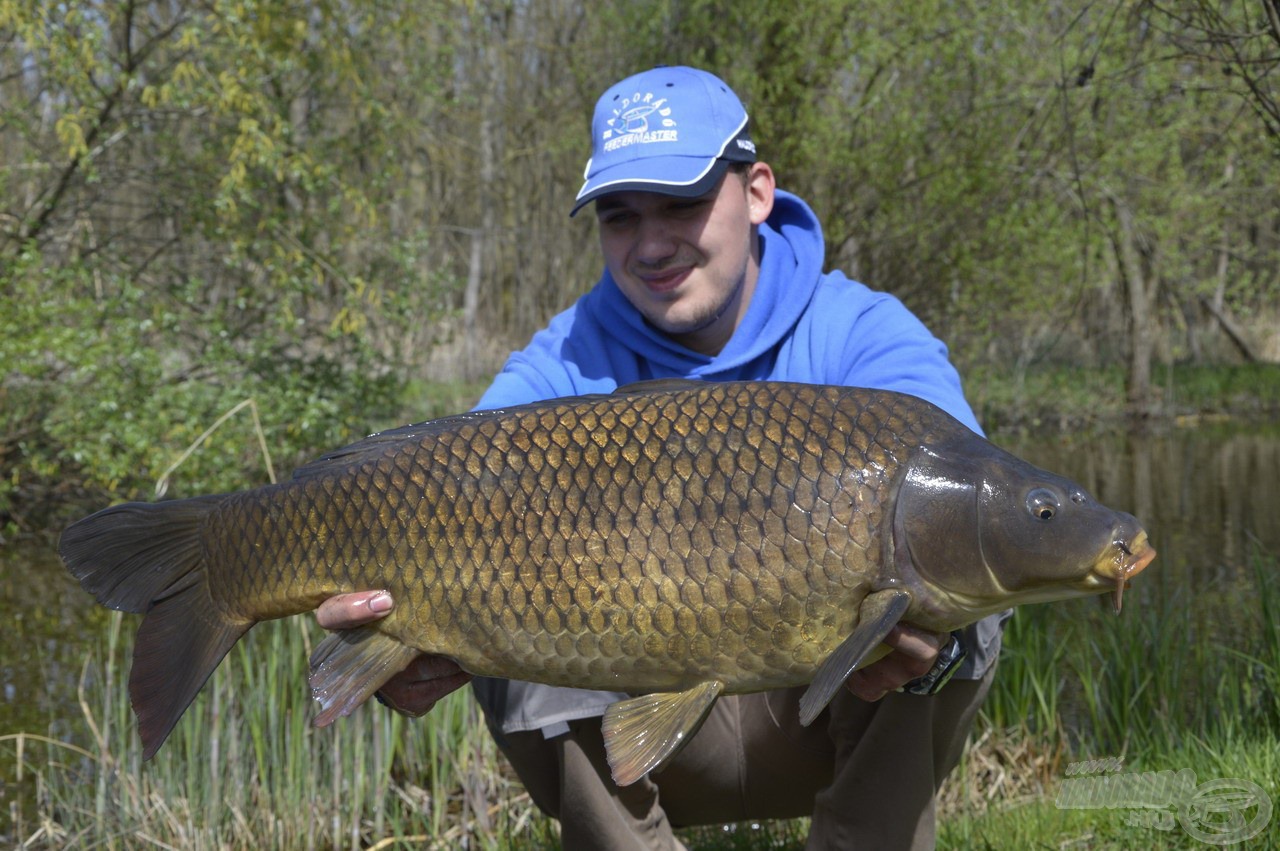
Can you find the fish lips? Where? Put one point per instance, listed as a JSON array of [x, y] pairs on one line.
[[1125, 558]]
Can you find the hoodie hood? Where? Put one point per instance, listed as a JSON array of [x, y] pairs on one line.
[[791, 258]]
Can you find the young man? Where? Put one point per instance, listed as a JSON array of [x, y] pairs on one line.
[[713, 273]]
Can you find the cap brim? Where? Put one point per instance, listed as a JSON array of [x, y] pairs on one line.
[[674, 181]]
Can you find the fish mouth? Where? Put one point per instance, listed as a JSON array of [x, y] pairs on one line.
[[1122, 561]]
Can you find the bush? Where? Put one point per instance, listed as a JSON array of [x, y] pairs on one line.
[[104, 384]]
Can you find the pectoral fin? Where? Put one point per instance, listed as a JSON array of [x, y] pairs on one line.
[[644, 732], [350, 665], [878, 614]]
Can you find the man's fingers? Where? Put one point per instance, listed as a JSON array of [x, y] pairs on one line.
[[416, 689], [417, 699], [428, 667], [867, 686], [913, 653], [345, 611], [425, 680], [912, 645]]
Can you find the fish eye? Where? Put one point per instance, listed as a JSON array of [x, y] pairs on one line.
[[1042, 503]]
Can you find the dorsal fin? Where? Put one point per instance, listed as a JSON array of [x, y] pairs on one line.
[[375, 445], [659, 385]]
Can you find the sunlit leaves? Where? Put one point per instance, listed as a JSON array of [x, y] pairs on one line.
[[254, 195]]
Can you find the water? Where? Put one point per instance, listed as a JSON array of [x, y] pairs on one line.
[[1207, 496], [50, 624]]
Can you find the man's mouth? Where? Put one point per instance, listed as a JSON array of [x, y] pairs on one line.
[[666, 280]]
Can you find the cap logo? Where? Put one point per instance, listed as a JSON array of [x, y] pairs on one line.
[[631, 121]]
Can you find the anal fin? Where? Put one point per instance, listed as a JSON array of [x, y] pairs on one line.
[[878, 614], [642, 733], [350, 665]]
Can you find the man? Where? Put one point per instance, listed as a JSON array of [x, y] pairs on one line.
[[713, 273]]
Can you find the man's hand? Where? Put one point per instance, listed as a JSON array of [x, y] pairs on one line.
[[356, 609], [914, 652], [427, 678]]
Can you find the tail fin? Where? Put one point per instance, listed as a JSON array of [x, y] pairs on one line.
[[142, 557]]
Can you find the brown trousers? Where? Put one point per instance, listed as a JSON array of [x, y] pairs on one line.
[[867, 773]]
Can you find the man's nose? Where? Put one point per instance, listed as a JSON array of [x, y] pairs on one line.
[[655, 240]]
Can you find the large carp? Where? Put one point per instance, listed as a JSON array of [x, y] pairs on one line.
[[675, 540]]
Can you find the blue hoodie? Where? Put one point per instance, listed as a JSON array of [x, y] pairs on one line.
[[801, 325]]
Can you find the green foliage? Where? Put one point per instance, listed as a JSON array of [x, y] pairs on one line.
[[106, 384], [1244, 388], [286, 195], [198, 213], [1066, 398]]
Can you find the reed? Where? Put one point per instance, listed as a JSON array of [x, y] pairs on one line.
[[1179, 681], [244, 769], [1184, 680], [1178, 661]]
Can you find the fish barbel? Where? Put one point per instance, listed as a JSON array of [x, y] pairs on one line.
[[675, 540]]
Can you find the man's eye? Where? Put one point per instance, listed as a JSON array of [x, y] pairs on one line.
[[689, 206], [615, 219]]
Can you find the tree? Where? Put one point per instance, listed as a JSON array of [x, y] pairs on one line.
[[196, 209]]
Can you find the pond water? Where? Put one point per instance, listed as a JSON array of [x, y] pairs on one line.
[[1207, 497], [50, 625]]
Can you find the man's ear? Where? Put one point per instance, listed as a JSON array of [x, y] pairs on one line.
[[760, 188]]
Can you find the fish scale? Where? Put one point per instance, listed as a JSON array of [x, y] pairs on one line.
[[676, 540], [464, 525]]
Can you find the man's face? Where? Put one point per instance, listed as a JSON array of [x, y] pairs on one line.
[[688, 264]]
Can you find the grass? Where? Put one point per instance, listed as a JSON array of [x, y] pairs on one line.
[[1166, 687], [1070, 398], [1035, 820], [1178, 683], [244, 768]]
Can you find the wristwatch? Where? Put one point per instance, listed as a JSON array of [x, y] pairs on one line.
[[949, 659]]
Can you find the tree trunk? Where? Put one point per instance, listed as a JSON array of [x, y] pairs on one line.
[[1140, 287], [1232, 329], [481, 239]]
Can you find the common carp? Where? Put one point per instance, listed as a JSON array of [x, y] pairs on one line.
[[673, 540]]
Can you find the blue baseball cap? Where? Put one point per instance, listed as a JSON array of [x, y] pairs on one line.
[[672, 130]]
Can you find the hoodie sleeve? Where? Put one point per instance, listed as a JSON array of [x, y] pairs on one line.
[[518, 382], [882, 344], [571, 356]]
